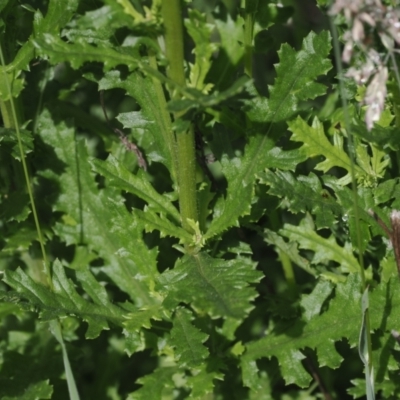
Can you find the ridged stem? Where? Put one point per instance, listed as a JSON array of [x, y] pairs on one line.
[[185, 144]]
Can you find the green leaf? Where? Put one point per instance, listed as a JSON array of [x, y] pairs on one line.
[[296, 79], [289, 88], [284, 160], [56, 50], [15, 207], [65, 300], [151, 221], [157, 385], [149, 24], [135, 322], [200, 31], [312, 303], [386, 191], [325, 250], [316, 143], [34, 391], [10, 86], [365, 201], [98, 218], [20, 240], [288, 248], [134, 119], [269, 14], [202, 382], [57, 16], [97, 26], [187, 340], [121, 178], [29, 361], [320, 333], [196, 100], [143, 90], [218, 287], [303, 193], [77, 54], [374, 166], [231, 32], [9, 139], [368, 169], [8, 308], [240, 173]]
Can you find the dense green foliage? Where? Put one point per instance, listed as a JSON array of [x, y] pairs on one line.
[[209, 239]]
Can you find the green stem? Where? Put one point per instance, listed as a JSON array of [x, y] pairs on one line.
[[11, 117], [7, 115], [251, 6], [187, 177], [248, 39], [185, 145]]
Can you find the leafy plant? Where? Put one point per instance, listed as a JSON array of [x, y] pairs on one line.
[[188, 210]]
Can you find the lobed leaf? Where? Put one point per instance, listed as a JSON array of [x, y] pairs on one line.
[[15, 207], [187, 340], [151, 221], [241, 175], [325, 250], [97, 217], [290, 88], [57, 16], [316, 143], [12, 384], [296, 79], [200, 31], [65, 300], [144, 90], [135, 322], [97, 26], [201, 382], [157, 385], [341, 320], [288, 248], [320, 332], [301, 194], [56, 50], [215, 286], [9, 139], [196, 100], [118, 176]]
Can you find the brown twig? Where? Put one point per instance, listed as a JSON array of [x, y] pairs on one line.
[[318, 379], [380, 222], [123, 138]]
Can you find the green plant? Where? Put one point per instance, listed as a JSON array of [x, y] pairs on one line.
[[210, 234]]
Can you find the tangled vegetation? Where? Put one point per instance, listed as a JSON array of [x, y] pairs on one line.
[[198, 199]]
